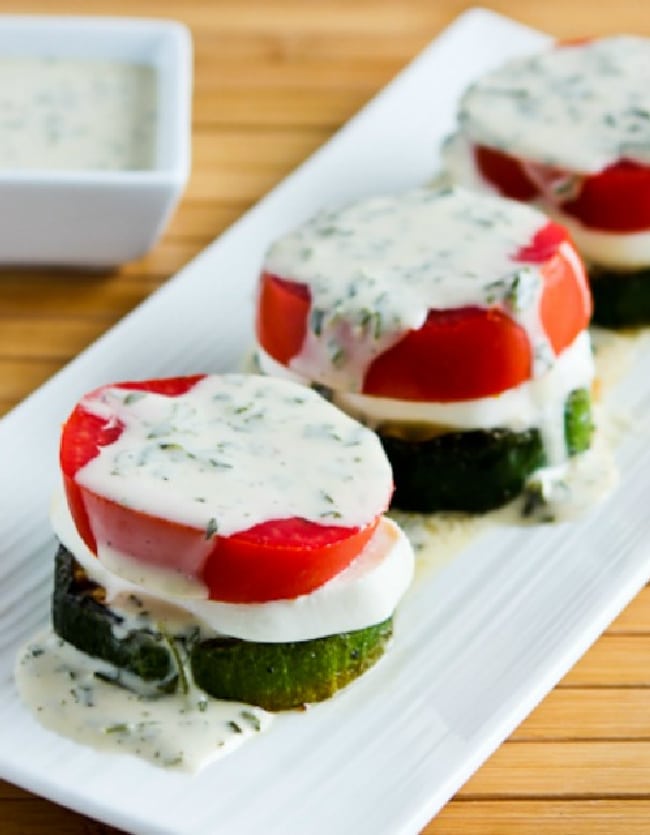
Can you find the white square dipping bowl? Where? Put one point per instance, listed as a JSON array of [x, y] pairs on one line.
[[99, 218]]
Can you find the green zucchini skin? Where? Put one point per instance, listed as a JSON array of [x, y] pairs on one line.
[[479, 470], [288, 675], [88, 625], [621, 299]]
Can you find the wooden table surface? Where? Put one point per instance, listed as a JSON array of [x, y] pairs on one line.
[[273, 80]]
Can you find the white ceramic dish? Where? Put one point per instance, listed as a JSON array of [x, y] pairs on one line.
[[99, 219], [477, 645]]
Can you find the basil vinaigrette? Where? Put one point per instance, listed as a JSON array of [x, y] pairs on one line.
[[231, 453], [579, 107], [66, 114], [74, 695]]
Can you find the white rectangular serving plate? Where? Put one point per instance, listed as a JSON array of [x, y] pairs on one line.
[[477, 644]]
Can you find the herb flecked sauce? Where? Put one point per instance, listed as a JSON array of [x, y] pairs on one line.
[[375, 268], [183, 731], [580, 107], [63, 114], [231, 453], [565, 113]]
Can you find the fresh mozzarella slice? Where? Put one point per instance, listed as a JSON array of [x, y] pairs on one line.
[[365, 593], [516, 409], [619, 250]]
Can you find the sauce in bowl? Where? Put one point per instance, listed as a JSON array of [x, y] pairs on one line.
[[64, 114]]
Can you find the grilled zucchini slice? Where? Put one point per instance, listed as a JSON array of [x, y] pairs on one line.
[[479, 470], [288, 675]]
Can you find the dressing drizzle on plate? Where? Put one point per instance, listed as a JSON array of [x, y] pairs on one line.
[[71, 693]]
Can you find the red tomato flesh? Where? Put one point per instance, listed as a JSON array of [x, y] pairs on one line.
[[277, 559], [504, 172], [617, 199], [282, 311], [456, 355], [462, 354]]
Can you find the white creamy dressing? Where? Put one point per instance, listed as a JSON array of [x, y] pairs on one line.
[[622, 250], [578, 107], [67, 114], [235, 451], [438, 537], [364, 593], [374, 269], [181, 731]]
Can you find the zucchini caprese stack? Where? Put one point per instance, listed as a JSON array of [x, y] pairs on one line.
[[229, 528], [569, 129], [452, 323]]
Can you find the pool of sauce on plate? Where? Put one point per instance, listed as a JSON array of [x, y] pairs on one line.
[[183, 731], [64, 114]]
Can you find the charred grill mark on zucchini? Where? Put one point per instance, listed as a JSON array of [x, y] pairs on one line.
[[80, 617], [479, 470], [288, 675], [621, 299]]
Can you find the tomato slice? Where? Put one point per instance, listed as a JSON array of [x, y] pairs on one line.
[[282, 311], [282, 559], [505, 173], [544, 245], [616, 199], [461, 354], [456, 355], [277, 559]]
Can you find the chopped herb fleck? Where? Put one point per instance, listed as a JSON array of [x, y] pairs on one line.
[[133, 397], [338, 357], [331, 514], [120, 728], [211, 529], [252, 719]]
